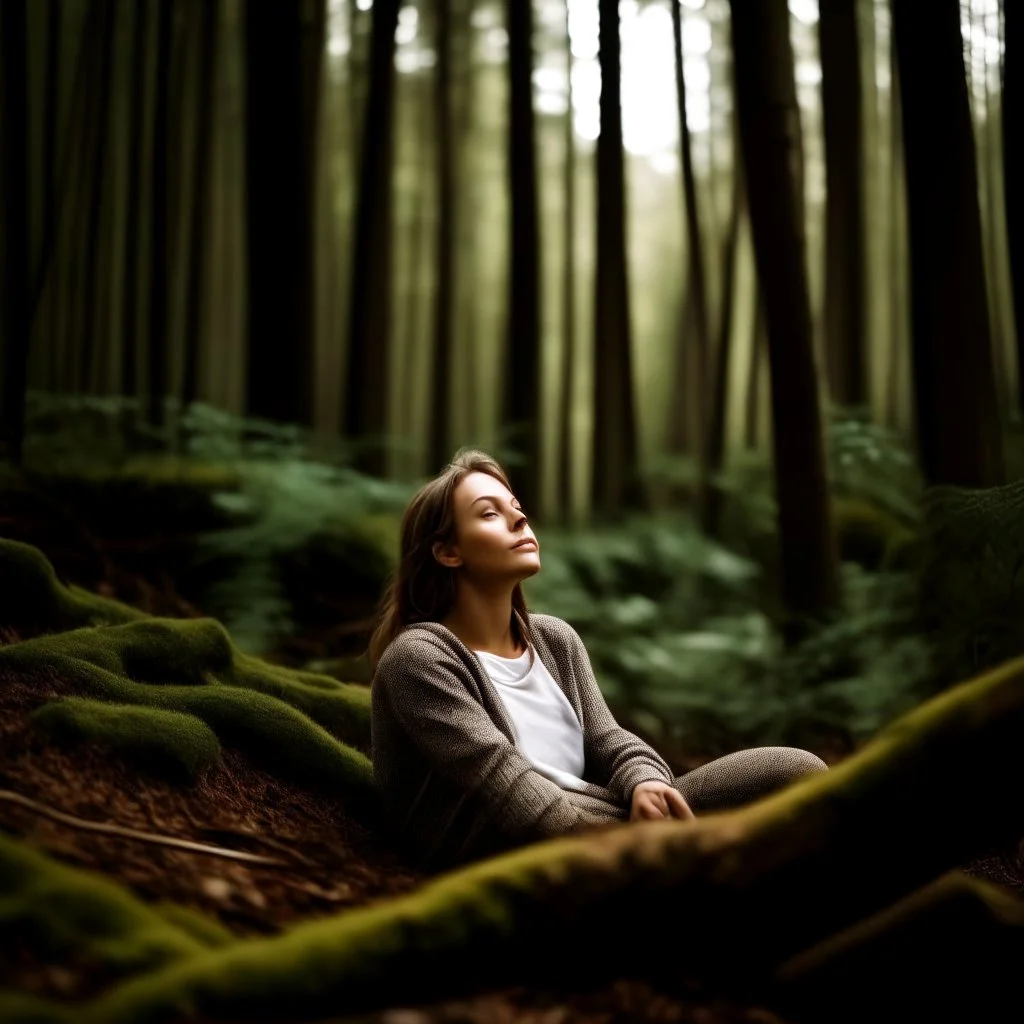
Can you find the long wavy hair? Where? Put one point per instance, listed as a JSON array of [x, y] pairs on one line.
[[421, 589]]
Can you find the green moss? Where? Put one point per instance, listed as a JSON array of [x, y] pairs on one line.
[[21, 1008], [285, 724], [32, 596], [154, 650], [71, 914], [321, 967], [170, 743], [208, 931]]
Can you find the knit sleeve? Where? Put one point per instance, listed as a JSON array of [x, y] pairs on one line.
[[428, 696], [620, 758]]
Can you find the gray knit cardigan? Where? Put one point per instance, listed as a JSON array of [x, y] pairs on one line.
[[453, 783]]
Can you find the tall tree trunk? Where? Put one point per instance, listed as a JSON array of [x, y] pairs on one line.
[[441, 396], [522, 361], [97, 171], [710, 500], [159, 261], [769, 128], [696, 291], [897, 255], [284, 57], [366, 410], [14, 237], [958, 428], [565, 470], [758, 343], [1012, 101], [845, 264], [616, 485], [207, 24], [130, 340]]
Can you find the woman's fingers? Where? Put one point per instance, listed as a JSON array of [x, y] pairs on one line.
[[677, 806]]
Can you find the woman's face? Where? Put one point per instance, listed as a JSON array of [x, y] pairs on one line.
[[492, 537]]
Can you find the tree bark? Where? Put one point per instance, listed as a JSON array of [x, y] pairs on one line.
[[769, 129], [958, 429], [15, 321], [284, 46], [441, 392], [522, 352], [616, 484], [366, 411], [845, 264]]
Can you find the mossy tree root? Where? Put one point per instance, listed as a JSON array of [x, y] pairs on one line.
[[739, 893]]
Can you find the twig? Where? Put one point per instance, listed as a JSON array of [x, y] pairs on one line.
[[130, 833]]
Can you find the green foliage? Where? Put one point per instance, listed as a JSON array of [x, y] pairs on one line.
[[680, 628], [167, 742], [264, 494]]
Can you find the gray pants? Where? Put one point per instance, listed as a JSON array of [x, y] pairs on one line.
[[745, 776]]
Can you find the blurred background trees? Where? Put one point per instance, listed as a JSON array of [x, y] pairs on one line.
[[751, 267]]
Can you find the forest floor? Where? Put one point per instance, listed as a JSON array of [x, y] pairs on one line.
[[237, 805]]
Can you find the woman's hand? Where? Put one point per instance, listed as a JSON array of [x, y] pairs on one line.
[[654, 800]]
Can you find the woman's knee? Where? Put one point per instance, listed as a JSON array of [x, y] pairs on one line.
[[795, 762]]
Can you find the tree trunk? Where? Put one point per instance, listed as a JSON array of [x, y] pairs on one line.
[[1012, 100], [284, 46], [134, 204], [159, 261], [755, 886], [709, 501], [845, 265], [97, 171], [369, 312], [14, 238], [695, 390], [565, 469], [204, 97], [616, 483], [522, 360], [758, 343], [769, 127], [958, 430], [441, 392]]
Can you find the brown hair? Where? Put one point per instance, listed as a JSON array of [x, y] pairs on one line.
[[421, 589]]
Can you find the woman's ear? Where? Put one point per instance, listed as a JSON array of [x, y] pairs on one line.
[[444, 556]]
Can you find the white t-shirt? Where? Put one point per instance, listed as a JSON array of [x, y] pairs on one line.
[[547, 731]]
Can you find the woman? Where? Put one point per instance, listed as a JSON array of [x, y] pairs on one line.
[[488, 728]]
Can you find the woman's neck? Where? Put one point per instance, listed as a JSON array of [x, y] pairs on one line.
[[484, 625]]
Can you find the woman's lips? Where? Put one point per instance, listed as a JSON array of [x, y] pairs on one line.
[[525, 545]]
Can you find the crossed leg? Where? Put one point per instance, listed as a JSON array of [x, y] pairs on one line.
[[745, 776]]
